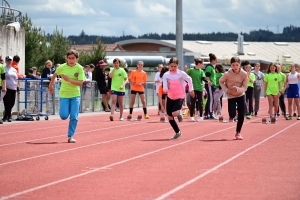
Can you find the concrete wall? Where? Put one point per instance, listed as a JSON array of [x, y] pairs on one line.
[[13, 43]]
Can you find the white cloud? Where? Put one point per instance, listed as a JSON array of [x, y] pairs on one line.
[[73, 7]]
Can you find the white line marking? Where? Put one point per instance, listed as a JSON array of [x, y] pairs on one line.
[[65, 135], [219, 165], [109, 166]]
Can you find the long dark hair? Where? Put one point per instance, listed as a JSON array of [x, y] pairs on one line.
[[271, 64], [163, 70]]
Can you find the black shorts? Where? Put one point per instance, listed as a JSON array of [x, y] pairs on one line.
[[173, 105], [163, 96], [103, 89], [135, 92]]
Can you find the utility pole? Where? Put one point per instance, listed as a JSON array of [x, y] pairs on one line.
[[179, 34]]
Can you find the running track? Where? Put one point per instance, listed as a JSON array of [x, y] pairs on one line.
[[136, 160]]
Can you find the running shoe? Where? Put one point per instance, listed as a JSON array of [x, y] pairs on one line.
[[255, 114], [239, 136], [177, 135], [192, 119], [179, 117], [1, 122], [111, 118], [200, 119], [289, 117], [298, 118], [71, 140], [121, 118], [146, 116], [295, 115], [248, 116]]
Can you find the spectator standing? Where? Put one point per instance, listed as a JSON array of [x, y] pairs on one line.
[[2, 84], [11, 78], [157, 81], [259, 77], [101, 84], [15, 64]]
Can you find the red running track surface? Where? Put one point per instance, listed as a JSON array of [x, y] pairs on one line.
[[137, 160]]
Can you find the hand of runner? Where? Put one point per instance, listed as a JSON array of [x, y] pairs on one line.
[[65, 77], [192, 93], [51, 89]]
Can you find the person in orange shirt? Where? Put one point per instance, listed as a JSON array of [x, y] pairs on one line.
[[15, 62], [138, 79]]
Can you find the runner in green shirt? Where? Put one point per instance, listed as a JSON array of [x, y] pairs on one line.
[[118, 81], [272, 88], [282, 89], [198, 76], [210, 86], [217, 107], [250, 89], [72, 78]]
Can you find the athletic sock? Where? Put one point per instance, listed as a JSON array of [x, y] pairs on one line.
[[174, 125], [145, 110], [130, 110]]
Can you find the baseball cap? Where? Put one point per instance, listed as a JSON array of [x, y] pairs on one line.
[[8, 58]]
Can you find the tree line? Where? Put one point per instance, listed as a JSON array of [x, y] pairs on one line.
[[289, 34]]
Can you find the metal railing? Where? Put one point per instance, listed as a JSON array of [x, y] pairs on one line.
[[9, 15], [35, 98]]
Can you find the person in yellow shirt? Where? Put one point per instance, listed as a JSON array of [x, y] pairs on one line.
[[138, 79]]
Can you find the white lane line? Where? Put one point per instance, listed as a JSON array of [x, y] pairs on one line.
[[220, 165], [111, 165], [64, 135], [104, 142]]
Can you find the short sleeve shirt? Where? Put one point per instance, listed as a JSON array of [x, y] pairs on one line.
[[138, 78], [252, 76], [67, 89], [272, 80], [2, 71], [197, 76], [118, 79]]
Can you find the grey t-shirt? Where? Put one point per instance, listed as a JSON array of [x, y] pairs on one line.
[[259, 79]]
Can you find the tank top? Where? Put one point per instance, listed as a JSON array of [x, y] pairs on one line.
[[293, 78]]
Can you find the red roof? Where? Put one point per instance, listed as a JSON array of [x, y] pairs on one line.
[[89, 47]]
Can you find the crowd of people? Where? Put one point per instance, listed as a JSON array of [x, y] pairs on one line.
[[196, 91]]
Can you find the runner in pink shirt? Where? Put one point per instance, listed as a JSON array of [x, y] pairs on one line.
[[174, 83]]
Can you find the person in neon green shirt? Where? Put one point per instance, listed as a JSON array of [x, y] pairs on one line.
[[2, 83], [250, 89], [282, 89], [72, 78], [118, 81], [272, 88]]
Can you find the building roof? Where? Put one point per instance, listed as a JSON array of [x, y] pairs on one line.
[[89, 47], [264, 52]]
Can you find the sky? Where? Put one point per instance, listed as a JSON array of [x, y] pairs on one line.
[[138, 17]]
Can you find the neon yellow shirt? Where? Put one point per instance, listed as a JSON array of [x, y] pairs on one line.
[[67, 89], [118, 79], [272, 80], [252, 76], [283, 80], [2, 71]]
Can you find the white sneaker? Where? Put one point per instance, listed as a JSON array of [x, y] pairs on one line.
[[192, 119], [71, 140], [166, 121], [200, 119]]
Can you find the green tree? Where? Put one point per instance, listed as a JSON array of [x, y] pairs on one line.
[[57, 46], [92, 57]]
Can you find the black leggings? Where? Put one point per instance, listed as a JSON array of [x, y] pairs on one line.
[[282, 105], [198, 96], [249, 100], [210, 99], [238, 102], [9, 102]]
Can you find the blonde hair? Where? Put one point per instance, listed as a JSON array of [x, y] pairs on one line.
[[47, 62]]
